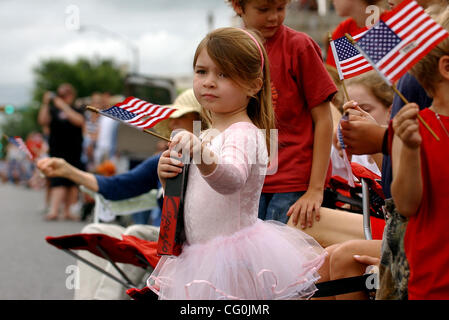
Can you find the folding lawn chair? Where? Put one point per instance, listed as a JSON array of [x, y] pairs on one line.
[[129, 249], [107, 210], [366, 198]]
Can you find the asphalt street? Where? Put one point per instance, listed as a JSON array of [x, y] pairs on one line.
[[30, 268]]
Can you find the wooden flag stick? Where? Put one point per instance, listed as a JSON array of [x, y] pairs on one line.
[[345, 90], [90, 108], [348, 36], [404, 99]]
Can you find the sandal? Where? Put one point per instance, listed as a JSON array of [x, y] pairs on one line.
[[52, 217]]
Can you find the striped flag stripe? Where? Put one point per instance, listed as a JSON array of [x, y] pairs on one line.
[[148, 123], [138, 113], [352, 60], [360, 60], [128, 101], [362, 69], [396, 51], [424, 41], [141, 116], [406, 38], [416, 56]]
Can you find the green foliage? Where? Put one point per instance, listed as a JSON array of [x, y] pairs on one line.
[[85, 75], [21, 123]]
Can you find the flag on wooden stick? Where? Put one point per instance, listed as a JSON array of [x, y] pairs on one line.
[[399, 40], [138, 113], [348, 60], [19, 143]]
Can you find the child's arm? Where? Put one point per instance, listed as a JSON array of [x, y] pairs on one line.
[[227, 172], [407, 185], [187, 142], [304, 208], [58, 167]]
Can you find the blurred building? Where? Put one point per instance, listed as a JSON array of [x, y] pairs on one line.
[[314, 17]]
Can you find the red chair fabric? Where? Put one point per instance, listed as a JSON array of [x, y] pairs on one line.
[[124, 250], [142, 294]]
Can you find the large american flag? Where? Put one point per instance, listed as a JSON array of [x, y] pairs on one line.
[[19, 143], [349, 61], [400, 39], [138, 113]]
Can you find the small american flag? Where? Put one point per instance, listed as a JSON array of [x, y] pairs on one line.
[[349, 61], [400, 39], [138, 113], [19, 143]]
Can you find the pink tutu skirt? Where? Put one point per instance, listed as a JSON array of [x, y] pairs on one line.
[[268, 260]]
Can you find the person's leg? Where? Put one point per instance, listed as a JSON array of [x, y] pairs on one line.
[[335, 226], [57, 196], [109, 289], [47, 194], [89, 278], [324, 271], [70, 200], [279, 204], [343, 265]]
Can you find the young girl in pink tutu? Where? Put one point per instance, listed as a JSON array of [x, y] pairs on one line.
[[229, 253]]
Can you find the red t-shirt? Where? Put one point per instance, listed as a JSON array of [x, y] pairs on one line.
[[299, 82], [426, 239]]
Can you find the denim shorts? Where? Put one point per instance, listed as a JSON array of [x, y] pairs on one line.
[[274, 206]]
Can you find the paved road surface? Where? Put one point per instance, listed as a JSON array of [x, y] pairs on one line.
[[29, 267]]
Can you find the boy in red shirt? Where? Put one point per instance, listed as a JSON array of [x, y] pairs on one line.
[[421, 174], [302, 89]]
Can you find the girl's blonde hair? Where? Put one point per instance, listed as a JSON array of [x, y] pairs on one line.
[[236, 53], [376, 85], [426, 70]]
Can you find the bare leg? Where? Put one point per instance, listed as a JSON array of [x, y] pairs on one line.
[[57, 196], [335, 226], [325, 270], [71, 199], [343, 265]]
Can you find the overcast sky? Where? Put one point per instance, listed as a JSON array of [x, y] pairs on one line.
[[166, 33]]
